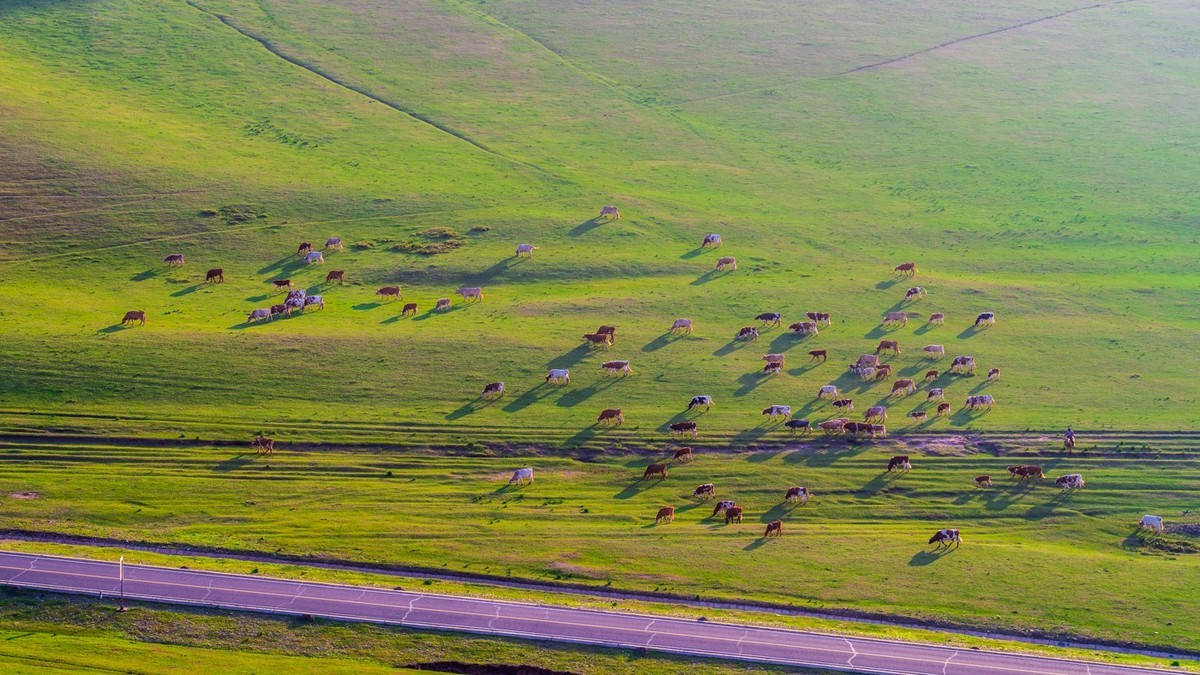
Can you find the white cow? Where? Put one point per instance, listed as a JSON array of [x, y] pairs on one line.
[[526, 250], [784, 411], [936, 394], [703, 400], [258, 314], [934, 351], [522, 477], [333, 242], [314, 257], [865, 372], [559, 376], [314, 301], [876, 412], [615, 368], [1071, 481], [1152, 523], [681, 326], [963, 364], [827, 391], [711, 240]]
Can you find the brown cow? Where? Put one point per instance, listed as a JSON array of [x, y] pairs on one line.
[[682, 428], [304, 248], [893, 345], [666, 513], [993, 374], [493, 390], [610, 331], [683, 454], [602, 339], [284, 309], [797, 494], [983, 481], [819, 354], [943, 409], [215, 273], [733, 513], [442, 303], [919, 415], [410, 308], [805, 328], [264, 445], [282, 284], [820, 317], [1034, 472], [1012, 470], [883, 371], [389, 292], [907, 268], [655, 470], [905, 385], [899, 462], [937, 318], [776, 527], [727, 261], [138, 315], [175, 259], [611, 415], [835, 426], [931, 375], [335, 275]]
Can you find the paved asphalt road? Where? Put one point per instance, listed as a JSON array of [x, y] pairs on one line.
[[421, 610]]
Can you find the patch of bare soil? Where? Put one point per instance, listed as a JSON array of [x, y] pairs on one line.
[[945, 446], [1186, 529], [25, 495]]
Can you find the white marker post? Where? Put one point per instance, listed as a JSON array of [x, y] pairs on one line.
[[121, 577]]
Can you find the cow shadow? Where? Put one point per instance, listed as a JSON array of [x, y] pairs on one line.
[[981, 386], [236, 462], [966, 415], [805, 368], [187, 291], [785, 341], [694, 253], [661, 341], [469, 408], [264, 296], [827, 455], [884, 285], [288, 262], [877, 483], [539, 392], [366, 306], [430, 313], [970, 332], [570, 358], [922, 558], [678, 417], [115, 328], [925, 328], [575, 396], [391, 320], [582, 436], [639, 486], [732, 346], [705, 278], [778, 512], [747, 436], [148, 274], [482, 278], [585, 227], [757, 543], [748, 382]]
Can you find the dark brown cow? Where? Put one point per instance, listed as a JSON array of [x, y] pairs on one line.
[[410, 308], [175, 259], [610, 331], [216, 274], [819, 317], [883, 371], [602, 339], [304, 248], [1031, 471], [682, 428], [733, 513], [931, 375], [1012, 470], [904, 385], [943, 409], [983, 481], [655, 470], [336, 275], [899, 462], [138, 315], [264, 445], [819, 354], [919, 415], [776, 527], [885, 345], [666, 513], [683, 455], [611, 416], [907, 268], [389, 292], [282, 284], [280, 309]]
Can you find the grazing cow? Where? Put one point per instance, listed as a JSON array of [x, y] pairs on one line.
[[615, 368], [666, 513], [775, 358], [610, 211], [611, 416], [284, 309], [334, 242], [883, 372], [315, 257], [934, 351], [827, 391], [299, 293], [897, 318], [988, 318], [748, 333], [993, 374], [835, 426], [683, 454], [915, 293], [294, 304], [559, 376], [702, 400], [727, 261], [132, 315], [907, 268], [705, 491], [820, 317], [659, 470], [314, 301], [733, 513], [522, 477], [905, 385], [783, 411], [610, 331], [878, 431], [963, 364], [931, 375], [258, 314], [797, 494], [773, 368], [937, 318], [1030, 471], [775, 526], [943, 409], [980, 401], [864, 373], [899, 463], [1152, 523], [390, 292], [1070, 482], [263, 445], [442, 303], [819, 354], [723, 505], [867, 360], [885, 345], [945, 538], [304, 248], [681, 428], [844, 404], [711, 241], [919, 415], [470, 293], [175, 259], [602, 339], [335, 275], [983, 481], [493, 390], [936, 394], [282, 284], [681, 326], [855, 428], [409, 308], [216, 275], [526, 250], [794, 424], [769, 318], [878, 412], [805, 328]]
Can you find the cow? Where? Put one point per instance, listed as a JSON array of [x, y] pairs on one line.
[[943, 409], [559, 376], [844, 404], [773, 368], [442, 303], [896, 318], [888, 345], [681, 428], [602, 339], [294, 304], [299, 293], [492, 390], [526, 250], [988, 318], [1070, 482], [284, 309], [282, 284], [258, 314], [610, 331], [878, 431], [711, 241], [915, 293], [934, 351], [827, 391], [905, 385], [819, 354], [334, 242], [615, 368], [727, 261], [681, 326], [919, 415], [723, 505], [867, 360], [945, 538], [666, 513], [733, 513], [855, 428], [304, 248], [702, 400], [390, 292], [748, 333], [834, 426], [882, 372], [993, 374], [610, 211], [705, 491], [876, 412], [216, 275], [1013, 471], [683, 454], [470, 293], [175, 260], [775, 358], [794, 424], [936, 394], [931, 375], [864, 373], [980, 401], [1149, 522], [314, 301], [263, 445], [783, 411], [314, 258], [908, 268], [769, 319], [1030, 471], [819, 318], [797, 494], [522, 477], [611, 416], [775, 526], [963, 365], [132, 315], [937, 318], [805, 328], [983, 481], [335, 275], [409, 308], [659, 470], [899, 463]]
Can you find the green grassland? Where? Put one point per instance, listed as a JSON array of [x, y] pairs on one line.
[[1042, 172]]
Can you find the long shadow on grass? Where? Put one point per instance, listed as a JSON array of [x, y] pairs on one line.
[[286, 263], [637, 487], [748, 382], [187, 291], [924, 328], [486, 276], [469, 408], [530, 397], [115, 328], [731, 347], [970, 332], [922, 558], [785, 341], [236, 462], [148, 274], [884, 285], [585, 227], [575, 396], [757, 543], [747, 436], [877, 483], [705, 278], [570, 358], [661, 341], [366, 306], [430, 313], [692, 253]]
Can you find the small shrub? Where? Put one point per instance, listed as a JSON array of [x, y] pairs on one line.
[[439, 233], [207, 213], [479, 228], [363, 245]]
